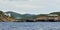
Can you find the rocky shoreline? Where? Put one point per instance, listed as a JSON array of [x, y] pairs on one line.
[[37, 21]]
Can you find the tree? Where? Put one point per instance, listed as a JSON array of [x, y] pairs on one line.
[[40, 15], [58, 13], [1, 12]]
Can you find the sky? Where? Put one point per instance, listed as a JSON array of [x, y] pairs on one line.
[[30, 6]]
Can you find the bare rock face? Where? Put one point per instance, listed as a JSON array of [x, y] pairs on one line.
[[6, 19]]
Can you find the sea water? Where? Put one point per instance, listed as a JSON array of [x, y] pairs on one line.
[[29, 25]]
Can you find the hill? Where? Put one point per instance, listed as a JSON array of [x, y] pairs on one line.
[[4, 18], [21, 16]]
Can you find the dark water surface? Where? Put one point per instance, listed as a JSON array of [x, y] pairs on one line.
[[29, 25]]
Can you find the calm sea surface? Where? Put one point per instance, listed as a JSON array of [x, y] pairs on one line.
[[29, 25]]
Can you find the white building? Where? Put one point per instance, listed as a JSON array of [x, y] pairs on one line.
[[8, 14], [52, 15]]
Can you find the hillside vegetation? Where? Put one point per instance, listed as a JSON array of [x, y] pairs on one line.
[[5, 18]]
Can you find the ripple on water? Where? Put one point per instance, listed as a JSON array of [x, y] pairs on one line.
[[30, 26]]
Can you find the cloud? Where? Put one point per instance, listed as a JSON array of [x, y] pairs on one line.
[[25, 6], [34, 6]]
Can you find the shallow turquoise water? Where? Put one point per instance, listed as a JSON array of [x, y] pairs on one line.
[[29, 25]]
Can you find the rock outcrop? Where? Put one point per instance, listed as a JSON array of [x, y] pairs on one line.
[[4, 18]]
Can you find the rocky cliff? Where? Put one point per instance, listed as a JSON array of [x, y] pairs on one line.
[[4, 18]]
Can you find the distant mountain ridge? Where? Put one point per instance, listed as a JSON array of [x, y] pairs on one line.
[[20, 16]]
